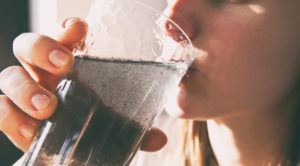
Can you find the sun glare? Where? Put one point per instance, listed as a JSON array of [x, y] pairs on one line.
[[258, 9]]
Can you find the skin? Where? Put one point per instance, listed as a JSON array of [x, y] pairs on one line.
[[244, 81]]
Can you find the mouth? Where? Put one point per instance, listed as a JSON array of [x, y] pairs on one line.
[[190, 78], [190, 72], [188, 75]]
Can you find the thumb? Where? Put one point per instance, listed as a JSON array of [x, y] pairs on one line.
[[154, 141]]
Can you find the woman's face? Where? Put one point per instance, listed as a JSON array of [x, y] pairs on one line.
[[247, 55]]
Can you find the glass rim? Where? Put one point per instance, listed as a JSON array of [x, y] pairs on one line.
[[174, 23]]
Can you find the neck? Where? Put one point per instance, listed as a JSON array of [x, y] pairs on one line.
[[255, 139]]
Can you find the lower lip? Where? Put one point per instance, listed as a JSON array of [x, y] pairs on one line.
[[190, 72]]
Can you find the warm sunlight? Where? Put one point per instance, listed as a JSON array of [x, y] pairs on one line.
[[258, 9]]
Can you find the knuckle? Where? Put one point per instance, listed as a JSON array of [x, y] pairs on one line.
[[18, 41], [20, 88], [19, 38], [4, 110], [26, 43], [9, 72], [13, 80]]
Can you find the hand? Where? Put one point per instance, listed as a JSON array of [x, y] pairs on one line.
[[29, 91]]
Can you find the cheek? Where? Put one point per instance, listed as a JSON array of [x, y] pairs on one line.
[[247, 68], [235, 64]]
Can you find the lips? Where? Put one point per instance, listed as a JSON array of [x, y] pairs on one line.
[[191, 70], [188, 75]]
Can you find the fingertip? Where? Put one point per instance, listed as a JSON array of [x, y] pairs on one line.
[[27, 131], [154, 141], [27, 94], [18, 43], [74, 30], [16, 125], [44, 105], [71, 21], [61, 60]]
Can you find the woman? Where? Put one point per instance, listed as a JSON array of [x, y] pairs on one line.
[[241, 96]]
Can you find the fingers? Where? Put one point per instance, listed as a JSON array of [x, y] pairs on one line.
[[43, 52], [154, 141], [28, 95], [17, 125], [45, 58]]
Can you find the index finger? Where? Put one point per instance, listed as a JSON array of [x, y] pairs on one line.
[[46, 59]]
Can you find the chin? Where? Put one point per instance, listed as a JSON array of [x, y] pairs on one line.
[[177, 112], [179, 106], [173, 106], [186, 106], [183, 105]]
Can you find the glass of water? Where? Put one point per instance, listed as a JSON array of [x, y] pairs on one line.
[[131, 58]]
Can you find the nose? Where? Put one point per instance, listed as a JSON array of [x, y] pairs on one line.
[[180, 12], [175, 32]]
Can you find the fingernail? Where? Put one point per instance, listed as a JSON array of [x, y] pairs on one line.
[[27, 130], [70, 22], [59, 58], [40, 101]]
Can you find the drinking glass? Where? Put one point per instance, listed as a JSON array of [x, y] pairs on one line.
[[131, 58]]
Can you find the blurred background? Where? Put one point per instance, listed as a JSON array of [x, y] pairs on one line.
[[14, 20]]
